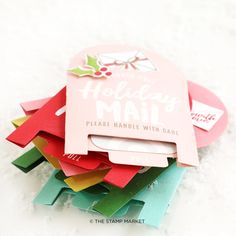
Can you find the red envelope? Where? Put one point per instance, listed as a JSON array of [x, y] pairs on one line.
[[46, 124], [118, 175], [44, 120]]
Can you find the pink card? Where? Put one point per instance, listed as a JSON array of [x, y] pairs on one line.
[[119, 99], [30, 107], [205, 96], [71, 170]]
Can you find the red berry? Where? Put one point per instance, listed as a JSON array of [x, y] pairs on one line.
[[98, 73], [103, 69], [108, 73]]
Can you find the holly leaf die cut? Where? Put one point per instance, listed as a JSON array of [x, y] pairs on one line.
[[93, 62], [81, 72], [91, 68]]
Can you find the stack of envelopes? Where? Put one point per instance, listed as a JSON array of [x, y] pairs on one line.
[[107, 164]]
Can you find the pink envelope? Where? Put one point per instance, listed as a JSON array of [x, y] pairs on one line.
[[130, 95], [196, 92], [30, 107]]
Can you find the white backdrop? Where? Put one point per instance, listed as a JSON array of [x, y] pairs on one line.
[[37, 38]]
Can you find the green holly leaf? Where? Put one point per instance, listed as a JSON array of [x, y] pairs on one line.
[[93, 62], [81, 72]]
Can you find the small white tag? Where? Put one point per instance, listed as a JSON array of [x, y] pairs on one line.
[[205, 116]]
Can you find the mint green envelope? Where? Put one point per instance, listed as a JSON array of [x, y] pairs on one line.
[[154, 199], [158, 197]]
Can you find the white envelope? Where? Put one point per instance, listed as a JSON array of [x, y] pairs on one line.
[[129, 60], [133, 145], [147, 153], [133, 152]]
